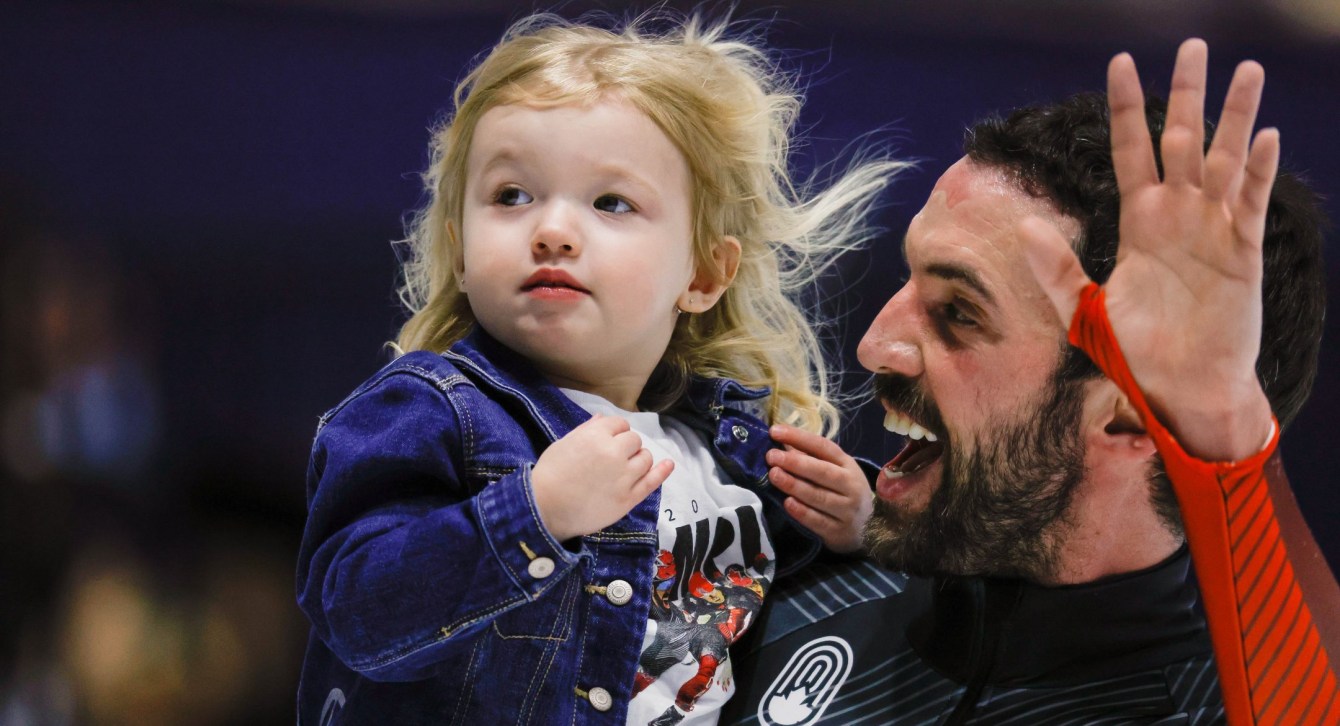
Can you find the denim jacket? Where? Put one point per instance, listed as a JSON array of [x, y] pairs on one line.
[[435, 593]]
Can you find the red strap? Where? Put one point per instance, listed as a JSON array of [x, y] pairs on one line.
[[1272, 667]]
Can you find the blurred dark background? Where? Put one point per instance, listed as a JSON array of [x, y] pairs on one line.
[[197, 201]]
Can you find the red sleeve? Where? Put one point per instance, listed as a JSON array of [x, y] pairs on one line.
[[1274, 664]]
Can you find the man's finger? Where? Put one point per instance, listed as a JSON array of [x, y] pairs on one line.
[[1184, 130], [1263, 162], [1228, 151], [1054, 265], [1132, 151]]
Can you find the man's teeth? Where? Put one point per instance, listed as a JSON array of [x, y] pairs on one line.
[[903, 426]]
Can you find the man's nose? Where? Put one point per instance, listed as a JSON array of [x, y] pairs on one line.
[[891, 345], [558, 232]]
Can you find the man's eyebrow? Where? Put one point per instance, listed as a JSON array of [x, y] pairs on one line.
[[959, 273]]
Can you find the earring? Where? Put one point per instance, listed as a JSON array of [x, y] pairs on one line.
[[678, 312]]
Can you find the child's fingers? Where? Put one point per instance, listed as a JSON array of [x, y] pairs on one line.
[[612, 424], [808, 442], [814, 520], [628, 444], [804, 466], [839, 534], [598, 425], [654, 477], [817, 497]]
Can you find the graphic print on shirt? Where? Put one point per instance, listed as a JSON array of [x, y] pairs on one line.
[[708, 588], [714, 565]]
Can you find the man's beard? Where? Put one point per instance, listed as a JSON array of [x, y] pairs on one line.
[[1001, 507]]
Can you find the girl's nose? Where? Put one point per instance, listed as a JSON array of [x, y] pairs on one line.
[[557, 234]]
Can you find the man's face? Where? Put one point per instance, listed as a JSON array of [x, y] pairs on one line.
[[967, 351]]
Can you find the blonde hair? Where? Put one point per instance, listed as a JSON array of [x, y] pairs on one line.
[[730, 112]]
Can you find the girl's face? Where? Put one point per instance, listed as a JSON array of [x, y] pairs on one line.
[[577, 241]]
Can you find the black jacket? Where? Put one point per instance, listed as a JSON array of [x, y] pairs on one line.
[[848, 642]]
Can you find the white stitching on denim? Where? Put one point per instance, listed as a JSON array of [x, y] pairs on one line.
[[529, 490], [607, 536], [551, 638], [467, 427], [516, 579], [581, 645], [439, 635], [391, 369], [451, 629], [463, 362], [564, 616], [490, 471], [461, 698]]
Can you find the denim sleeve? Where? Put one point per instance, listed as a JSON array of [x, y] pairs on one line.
[[402, 563]]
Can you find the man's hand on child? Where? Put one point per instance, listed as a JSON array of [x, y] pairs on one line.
[[829, 493], [593, 476]]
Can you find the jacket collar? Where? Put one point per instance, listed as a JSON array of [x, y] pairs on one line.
[[1011, 632], [511, 379], [709, 398], [509, 374]]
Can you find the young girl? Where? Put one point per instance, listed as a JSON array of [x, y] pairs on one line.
[[557, 508]]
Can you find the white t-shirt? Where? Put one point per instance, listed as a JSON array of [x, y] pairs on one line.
[[715, 564]]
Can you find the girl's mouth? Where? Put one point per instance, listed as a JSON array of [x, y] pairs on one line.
[[549, 279]]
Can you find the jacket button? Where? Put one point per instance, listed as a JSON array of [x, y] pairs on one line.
[[741, 433], [601, 700], [619, 592], [540, 568]]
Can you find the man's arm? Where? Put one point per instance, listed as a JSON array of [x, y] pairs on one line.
[[1185, 311]]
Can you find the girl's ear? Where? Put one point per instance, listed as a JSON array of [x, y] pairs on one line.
[[457, 255], [708, 285]]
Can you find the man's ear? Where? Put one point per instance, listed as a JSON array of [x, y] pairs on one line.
[[1113, 423], [708, 285]]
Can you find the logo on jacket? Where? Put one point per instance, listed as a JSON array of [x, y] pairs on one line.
[[334, 702], [807, 684]]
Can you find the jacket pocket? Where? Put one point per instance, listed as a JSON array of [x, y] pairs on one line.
[[549, 618]]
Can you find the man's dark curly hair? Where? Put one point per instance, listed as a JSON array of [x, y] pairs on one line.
[[1063, 152]]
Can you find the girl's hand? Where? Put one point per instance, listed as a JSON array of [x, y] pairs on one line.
[[829, 492], [592, 477]]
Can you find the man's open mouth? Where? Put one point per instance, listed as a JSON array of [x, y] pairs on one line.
[[922, 449]]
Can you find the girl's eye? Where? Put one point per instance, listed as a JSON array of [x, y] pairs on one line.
[[612, 204], [511, 197]]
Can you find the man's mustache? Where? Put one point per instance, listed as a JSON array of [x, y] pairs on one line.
[[910, 398]]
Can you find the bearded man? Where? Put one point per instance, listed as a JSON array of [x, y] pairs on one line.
[[1040, 572]]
